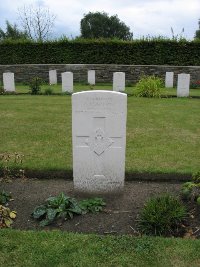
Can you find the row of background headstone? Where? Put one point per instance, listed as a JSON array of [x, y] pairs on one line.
[[183, 83]]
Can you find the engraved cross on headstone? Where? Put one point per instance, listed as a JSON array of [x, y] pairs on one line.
[[98, 141]]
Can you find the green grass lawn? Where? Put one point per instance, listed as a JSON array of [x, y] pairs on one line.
[[162, 137], [162, 134], [45, 248], [57, 89]]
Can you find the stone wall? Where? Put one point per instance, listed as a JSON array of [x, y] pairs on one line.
[[104, 72]]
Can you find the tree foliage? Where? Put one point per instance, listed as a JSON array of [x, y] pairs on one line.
[[12, 32], [38, 22], [197, 33], [100, 25]]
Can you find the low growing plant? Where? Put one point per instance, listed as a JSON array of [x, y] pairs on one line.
[[6, 217], [5, 197], [149, 86], [64, 207], [191, 190], [162, 215], [92, 205], [35, 85]]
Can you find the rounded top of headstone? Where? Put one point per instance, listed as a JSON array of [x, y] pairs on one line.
[[100, 92]]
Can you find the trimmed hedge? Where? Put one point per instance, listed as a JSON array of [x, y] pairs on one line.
[[139, 52]]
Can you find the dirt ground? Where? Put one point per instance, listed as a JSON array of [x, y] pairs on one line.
[[119, 216]]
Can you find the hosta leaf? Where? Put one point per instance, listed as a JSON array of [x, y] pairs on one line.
[[52, 202], [51, 214], [44, 222], [13, 214], [39, 211], [7, 222], [76, 209]]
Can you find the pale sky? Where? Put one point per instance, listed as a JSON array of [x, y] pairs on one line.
[[144, 17]]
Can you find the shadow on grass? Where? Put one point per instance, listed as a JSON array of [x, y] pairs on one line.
[[129, 176]]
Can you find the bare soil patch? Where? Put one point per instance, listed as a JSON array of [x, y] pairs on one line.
[[119, 216]]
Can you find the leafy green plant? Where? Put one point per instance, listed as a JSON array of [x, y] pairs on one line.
[[196, 177], [191, 190], [6, 217], [63, 207], [35, 85], [149, 86], [92, 205], [2, 91], [162, 215], [56, 207], [186, 189], [5, 197]]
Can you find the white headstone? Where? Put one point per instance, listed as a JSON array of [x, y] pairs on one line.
[[67, 82], [169, 79], [91, 77], [9, 82], [183, 85], [99, 141], [53, 77], [119, 81]]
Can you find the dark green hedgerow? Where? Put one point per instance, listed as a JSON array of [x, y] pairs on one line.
[[138, 52]]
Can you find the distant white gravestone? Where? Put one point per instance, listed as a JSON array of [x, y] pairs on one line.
[[53, 77], [9, 82], [183, 85], [67, 82], [99, 141], [91, 77], [169, 79], [118, 81]]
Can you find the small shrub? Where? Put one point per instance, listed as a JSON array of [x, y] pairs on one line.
[[64, 207], [48, 91], [6, 217], [162, 215], [149, 86], [4, 197], [35, 85]]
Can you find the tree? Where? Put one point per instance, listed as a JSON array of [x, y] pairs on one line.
[[100, 25], [38, 22], [197, 33], [12, 32]]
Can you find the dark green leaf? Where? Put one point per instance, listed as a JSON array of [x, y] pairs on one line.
[[51, 214], [39, 211]]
